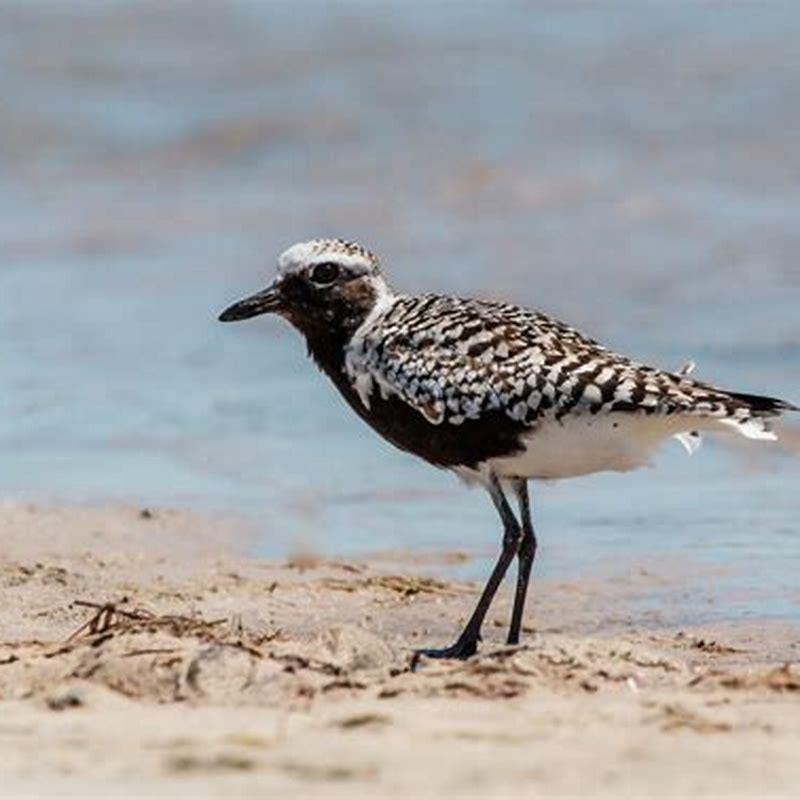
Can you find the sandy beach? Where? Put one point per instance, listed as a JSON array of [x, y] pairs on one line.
[[630, 168], [142, 654]]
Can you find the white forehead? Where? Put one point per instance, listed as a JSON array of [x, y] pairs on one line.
[[317, 251]]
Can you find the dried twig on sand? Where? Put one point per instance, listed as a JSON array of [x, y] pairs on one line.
[[112, 618]]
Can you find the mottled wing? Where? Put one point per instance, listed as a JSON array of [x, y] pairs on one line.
[[455, 360]]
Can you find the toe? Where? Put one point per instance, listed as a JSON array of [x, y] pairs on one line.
[[458, 651]]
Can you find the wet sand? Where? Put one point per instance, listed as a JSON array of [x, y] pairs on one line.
[[142, 654]]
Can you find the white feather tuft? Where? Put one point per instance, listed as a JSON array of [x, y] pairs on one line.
[[691, 441], [753, 428]]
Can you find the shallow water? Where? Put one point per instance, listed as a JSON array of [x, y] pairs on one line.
[[633, 170]]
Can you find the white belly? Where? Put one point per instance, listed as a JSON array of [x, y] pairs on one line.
[[585, 444]]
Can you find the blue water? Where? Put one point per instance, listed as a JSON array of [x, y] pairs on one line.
[[633, 169]]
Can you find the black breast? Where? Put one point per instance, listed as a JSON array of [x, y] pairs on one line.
[[493, 435]]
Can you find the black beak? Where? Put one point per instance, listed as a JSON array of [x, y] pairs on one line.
[[262, 303]]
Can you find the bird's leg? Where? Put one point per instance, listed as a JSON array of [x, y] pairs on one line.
[[467, 643], [525, 557]]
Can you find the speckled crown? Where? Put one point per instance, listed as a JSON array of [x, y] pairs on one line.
[[318, 250]]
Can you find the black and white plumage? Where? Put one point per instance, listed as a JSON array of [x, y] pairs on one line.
[[492, 391]]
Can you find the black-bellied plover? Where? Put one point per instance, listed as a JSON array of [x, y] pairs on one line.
[[494, 392]]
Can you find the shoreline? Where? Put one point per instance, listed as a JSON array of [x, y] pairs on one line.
[[207, 671]]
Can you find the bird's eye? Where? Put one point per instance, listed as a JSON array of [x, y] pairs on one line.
[[325, 273]]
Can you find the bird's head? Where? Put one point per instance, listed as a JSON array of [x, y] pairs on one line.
[[322, 284]]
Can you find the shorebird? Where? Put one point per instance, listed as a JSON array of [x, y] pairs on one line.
[[496, 393]]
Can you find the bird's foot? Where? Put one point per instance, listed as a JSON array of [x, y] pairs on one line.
[[461, 650]]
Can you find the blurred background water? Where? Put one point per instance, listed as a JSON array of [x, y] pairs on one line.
[[632, 168]]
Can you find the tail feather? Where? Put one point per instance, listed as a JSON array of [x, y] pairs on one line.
[[751, 428], [763, 406], [752, 418]]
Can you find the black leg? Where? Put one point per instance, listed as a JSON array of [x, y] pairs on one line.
[[467, 643], [525, 555]]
